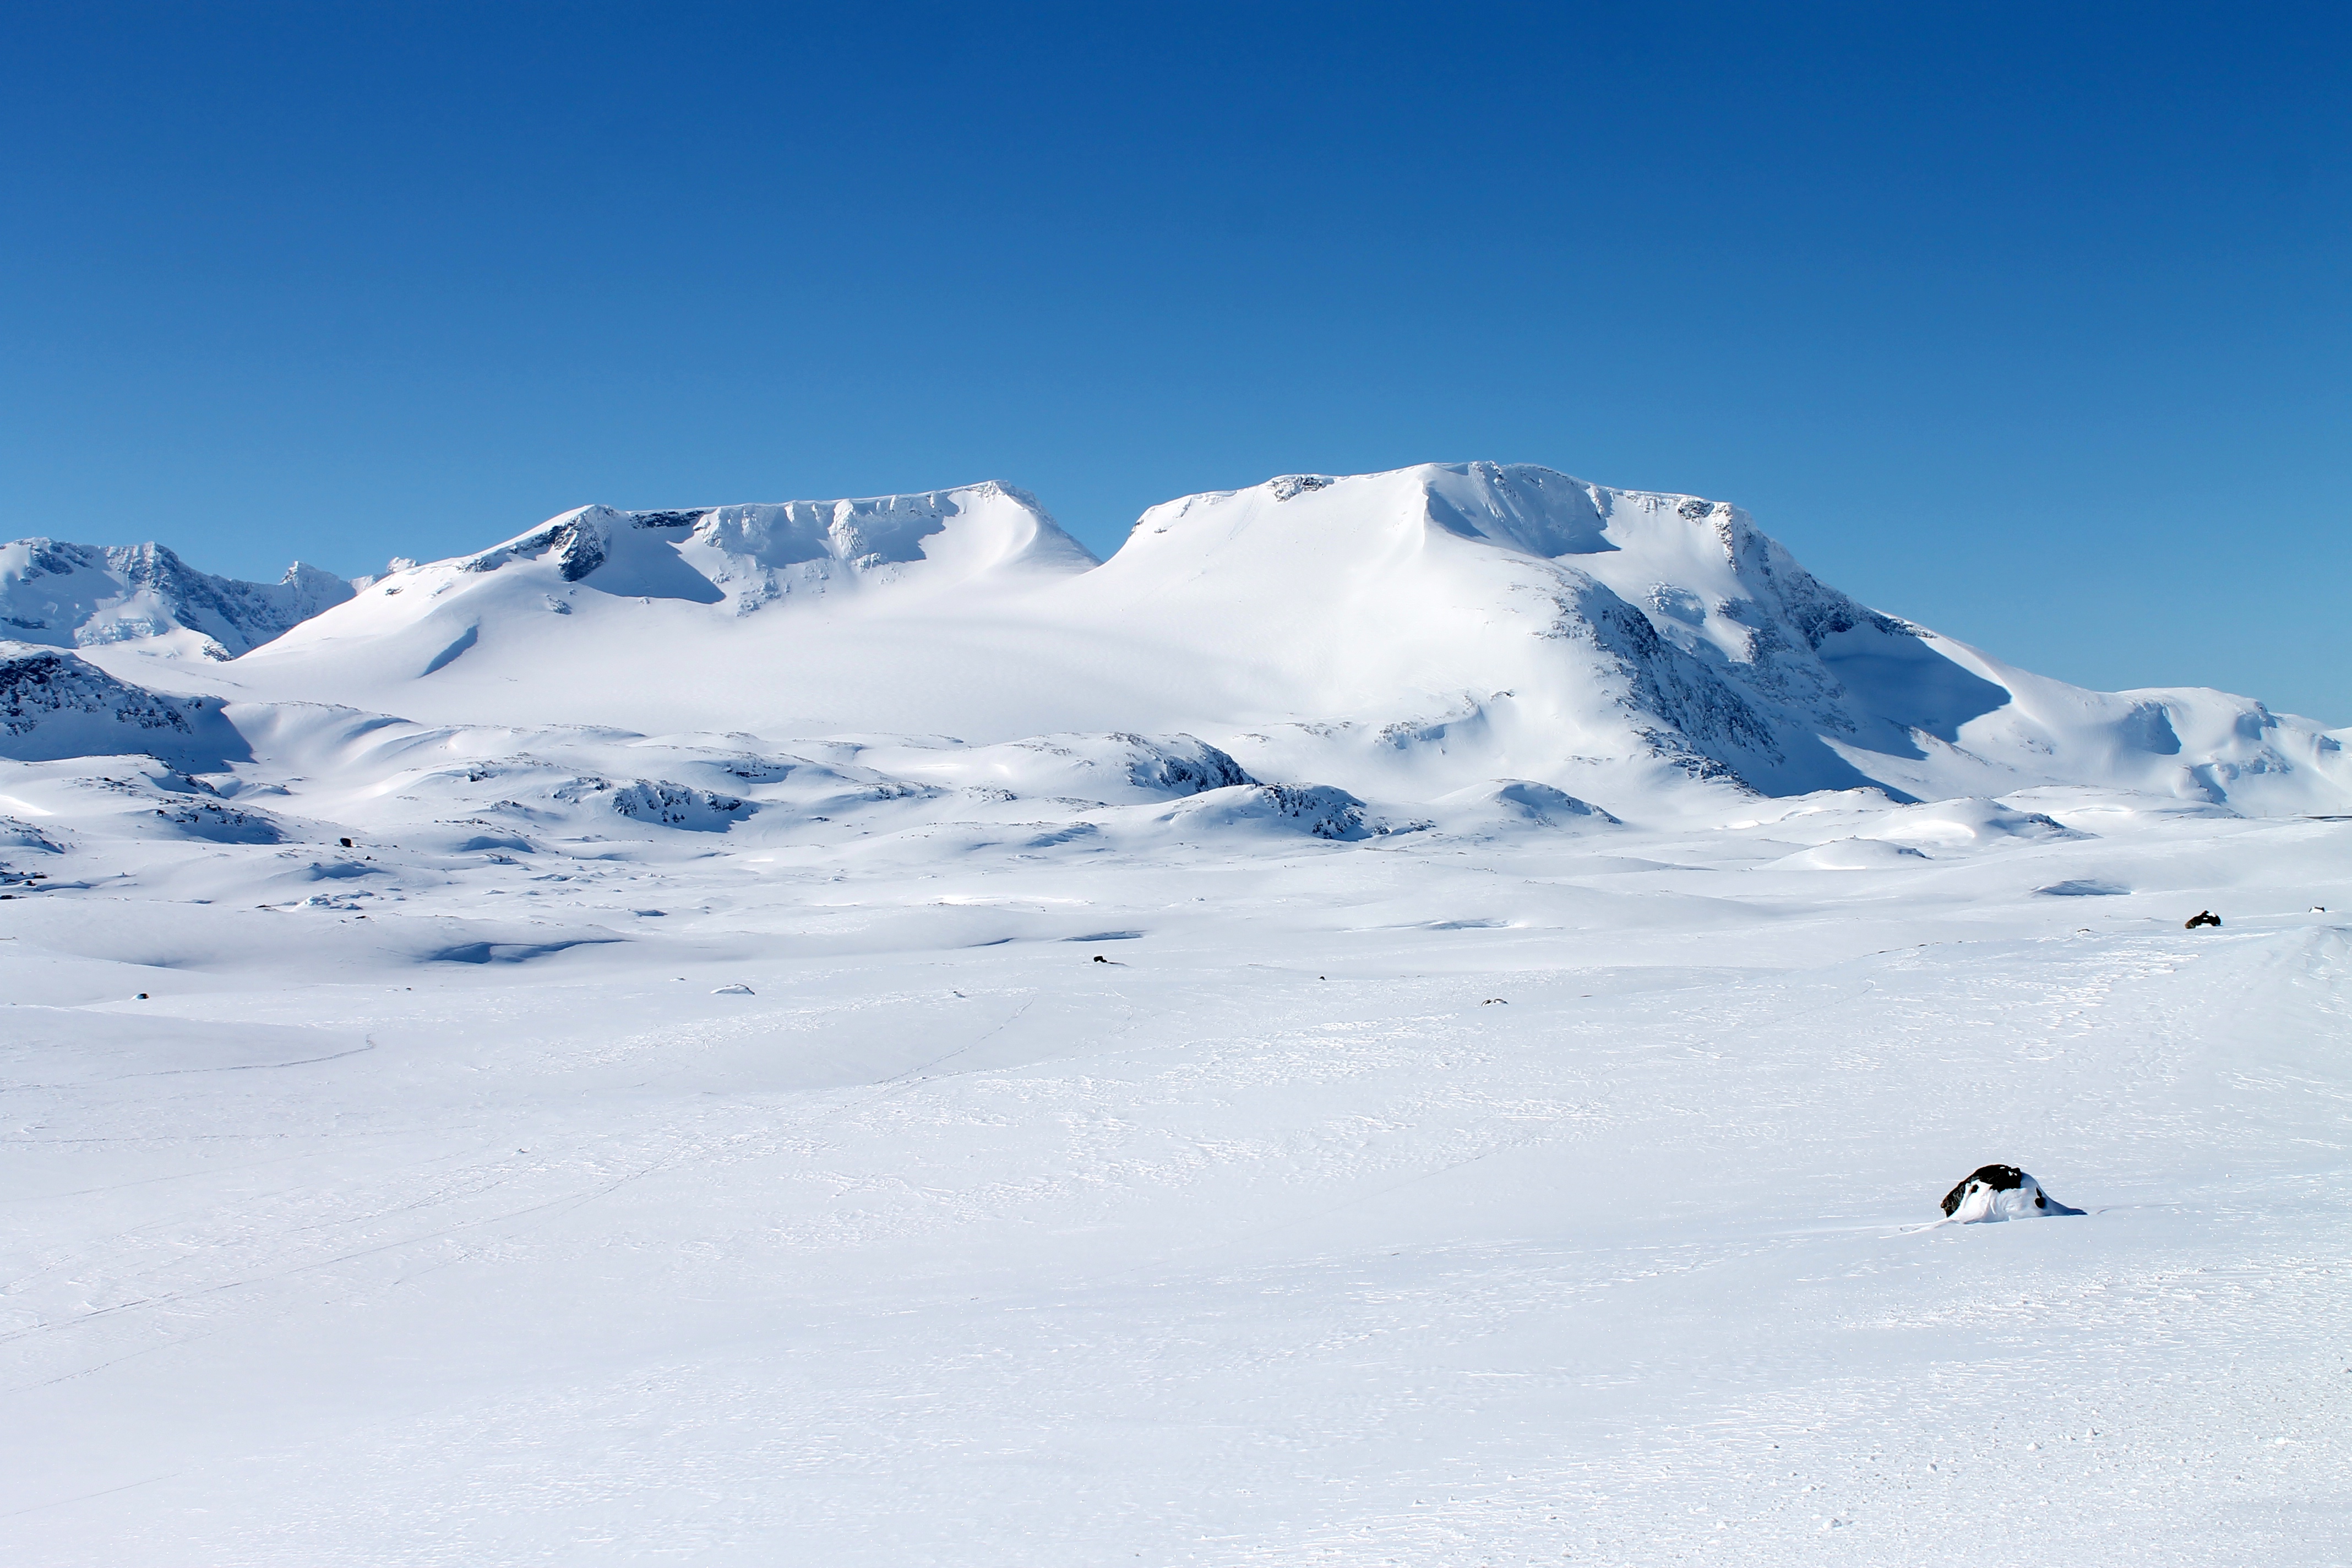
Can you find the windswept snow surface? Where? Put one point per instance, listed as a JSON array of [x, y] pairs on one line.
[[633, 1148], [1423, 1018]]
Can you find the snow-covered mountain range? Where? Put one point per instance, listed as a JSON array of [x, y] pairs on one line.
[[1421, 1018], [81, 595], [1404, 636]]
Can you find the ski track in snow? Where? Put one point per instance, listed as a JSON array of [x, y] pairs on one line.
[[1276, 1242]]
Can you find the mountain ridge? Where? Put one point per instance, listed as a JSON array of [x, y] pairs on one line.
[[78, 596], [1404, 635]]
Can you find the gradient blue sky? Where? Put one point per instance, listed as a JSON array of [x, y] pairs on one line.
[[2029, 323]]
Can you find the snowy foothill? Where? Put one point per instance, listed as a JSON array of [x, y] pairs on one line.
[[1430, 1017]]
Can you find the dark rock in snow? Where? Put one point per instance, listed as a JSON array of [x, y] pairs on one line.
[[1999, 1192], [54, 704]]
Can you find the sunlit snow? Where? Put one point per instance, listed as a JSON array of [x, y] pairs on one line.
[[1422, 1019]]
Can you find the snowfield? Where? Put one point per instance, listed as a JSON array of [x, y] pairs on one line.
[[1421, 1018]]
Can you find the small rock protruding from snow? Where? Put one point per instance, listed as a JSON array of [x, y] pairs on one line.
[[1286, 486], [1999, 1192]]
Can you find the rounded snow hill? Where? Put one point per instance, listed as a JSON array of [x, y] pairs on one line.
[[1965, 824], [1318, 810], [1517, 802], [747, 557], [552, 594], [1850, 854], [801, 618], [1507, 618]]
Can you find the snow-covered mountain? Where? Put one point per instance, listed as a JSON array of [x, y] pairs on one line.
[[1406, 635], [82, 596], [54, 705], [732, 559], [1514, 620], [1406, 1017]]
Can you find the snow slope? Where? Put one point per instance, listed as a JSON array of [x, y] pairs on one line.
[[622, 597], [629, 1147], [80, 595], [1403, 636], [55, 705], [1539, 627], [1421, 1018]]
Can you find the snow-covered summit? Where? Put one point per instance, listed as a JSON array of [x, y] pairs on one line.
[[748, 556], [1404, 636], [725, 560], [83, 595], [1567, 618], [1543, 625]]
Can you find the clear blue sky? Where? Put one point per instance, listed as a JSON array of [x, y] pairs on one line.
[[2028, 322]]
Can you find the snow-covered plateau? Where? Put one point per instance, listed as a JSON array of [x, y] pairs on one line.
[[1431, 1017]]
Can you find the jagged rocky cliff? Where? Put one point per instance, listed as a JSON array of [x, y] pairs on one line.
[[83, 595]]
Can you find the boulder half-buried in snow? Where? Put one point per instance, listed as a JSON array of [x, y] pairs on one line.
[[2000, 1191]]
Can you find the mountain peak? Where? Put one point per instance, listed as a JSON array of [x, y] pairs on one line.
[[739, 559], [81, 595], [1401, 634], [1524, 507], [763, 551]]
